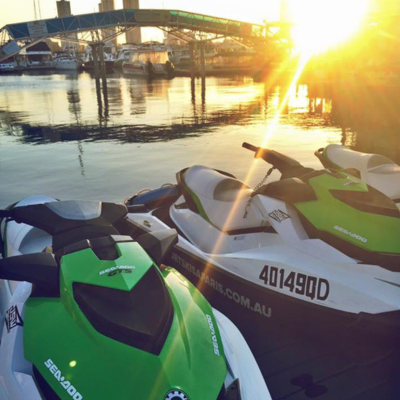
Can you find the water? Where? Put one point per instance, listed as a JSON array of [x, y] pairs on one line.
[[59, 137]]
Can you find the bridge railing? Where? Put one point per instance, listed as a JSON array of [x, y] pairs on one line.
[[102, 20]]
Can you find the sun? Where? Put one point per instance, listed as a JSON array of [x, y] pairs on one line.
[[321, 24]]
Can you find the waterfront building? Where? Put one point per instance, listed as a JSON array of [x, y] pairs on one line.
[[63, 8], [104, 6], [134, 36]]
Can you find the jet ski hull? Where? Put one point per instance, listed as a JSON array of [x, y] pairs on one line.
[[23, 315], [229, 292], [225, 280]]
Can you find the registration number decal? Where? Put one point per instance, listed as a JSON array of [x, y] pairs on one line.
[[302, 284]]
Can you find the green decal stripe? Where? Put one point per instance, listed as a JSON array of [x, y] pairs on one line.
[[340, 219], [196, 200]]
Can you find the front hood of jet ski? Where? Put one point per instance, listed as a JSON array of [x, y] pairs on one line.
[[72, 348]]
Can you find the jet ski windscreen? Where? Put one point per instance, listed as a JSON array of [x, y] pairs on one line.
[[140, 317]]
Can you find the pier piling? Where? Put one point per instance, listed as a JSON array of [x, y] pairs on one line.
[[95, 61], [99, 68], [192, 60], [102, 65], [202, 61]]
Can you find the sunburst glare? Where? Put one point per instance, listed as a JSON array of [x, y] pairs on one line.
[[321, 24]]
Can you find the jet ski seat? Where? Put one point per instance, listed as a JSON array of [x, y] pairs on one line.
[[378, 171], [219, 198], [71, 221]]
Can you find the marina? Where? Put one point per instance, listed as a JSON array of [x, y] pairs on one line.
[[279, 173], [218, 61]]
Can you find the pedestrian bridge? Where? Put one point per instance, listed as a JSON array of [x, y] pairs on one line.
[[133, 18], [105, 26]]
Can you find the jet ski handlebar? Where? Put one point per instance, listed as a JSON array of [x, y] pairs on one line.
[[279, 161]]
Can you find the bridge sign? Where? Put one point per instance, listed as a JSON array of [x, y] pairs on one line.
[[37, 28]]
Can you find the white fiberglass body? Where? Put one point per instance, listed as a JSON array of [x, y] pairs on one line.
[[322, 275], [252, 250], [16, 375], [378, 171]]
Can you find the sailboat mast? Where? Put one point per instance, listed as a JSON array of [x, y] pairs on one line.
[[40, 11], [34, 9]]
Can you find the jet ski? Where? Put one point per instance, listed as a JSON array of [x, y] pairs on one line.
[[91, 313], [303, 251], [376, 170]]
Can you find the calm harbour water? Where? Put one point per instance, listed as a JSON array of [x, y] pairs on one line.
[[59, 138]]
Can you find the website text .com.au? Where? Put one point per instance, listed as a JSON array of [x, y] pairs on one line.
[[227, 292]]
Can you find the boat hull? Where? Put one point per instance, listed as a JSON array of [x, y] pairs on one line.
[[89, 66], [67, 65], [135, 71], [141, 70], [7, 68], [245, 302]]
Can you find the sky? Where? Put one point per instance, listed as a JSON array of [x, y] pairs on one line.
[[245, 10]]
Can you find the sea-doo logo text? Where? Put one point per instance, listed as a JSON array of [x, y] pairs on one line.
[[213, 335], [70, 389], [351, 183], [175, 395], [278, 215], [353, 235], [119, 269], [13, 318]]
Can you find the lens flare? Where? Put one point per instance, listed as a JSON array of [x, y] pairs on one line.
[[321, 24]]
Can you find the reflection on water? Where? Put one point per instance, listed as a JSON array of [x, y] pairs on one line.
[[369, 117], [185, 121], [133, 110]]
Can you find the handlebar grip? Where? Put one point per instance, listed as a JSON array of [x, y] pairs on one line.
[[284, 164], [5, 214], [259, 152], [250, 147]]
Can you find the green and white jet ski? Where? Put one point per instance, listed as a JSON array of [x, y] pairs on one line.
[[317, 248], [376, 170], [89, 313]]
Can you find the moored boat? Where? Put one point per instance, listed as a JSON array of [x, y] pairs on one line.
[[66, 64], [38, 57], [123, 55], [6, 67], [87, 63], [148, 63]]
